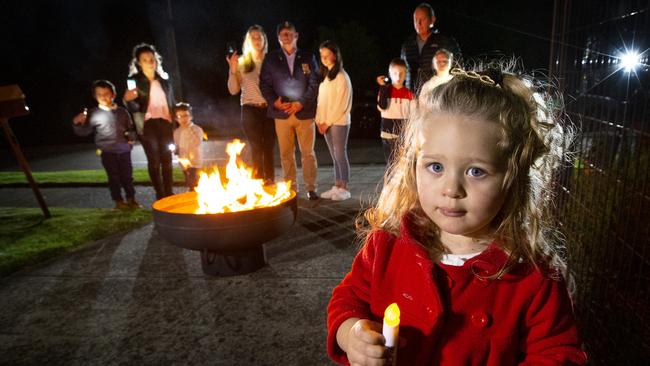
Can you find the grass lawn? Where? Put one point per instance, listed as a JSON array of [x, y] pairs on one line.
[[71, 177], [26, 238]]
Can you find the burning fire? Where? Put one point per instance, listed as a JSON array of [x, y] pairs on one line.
[[240, 192]]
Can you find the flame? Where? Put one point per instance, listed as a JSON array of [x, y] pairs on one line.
[[392, 315], [240, 191]]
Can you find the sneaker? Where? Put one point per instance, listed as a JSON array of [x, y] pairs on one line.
[[342, 194], [328, 194], [312, 195], [132, 203], [121, 205]]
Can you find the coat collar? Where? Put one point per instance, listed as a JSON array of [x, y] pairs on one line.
[[486, 264]]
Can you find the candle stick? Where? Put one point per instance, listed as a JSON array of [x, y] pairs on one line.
[[391, 332]]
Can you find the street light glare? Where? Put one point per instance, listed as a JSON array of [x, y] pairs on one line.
[[629, 61]]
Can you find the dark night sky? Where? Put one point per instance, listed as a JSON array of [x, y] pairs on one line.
[[54, 49]]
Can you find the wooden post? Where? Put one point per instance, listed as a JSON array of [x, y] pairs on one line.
[[12, 104], [13, 142]]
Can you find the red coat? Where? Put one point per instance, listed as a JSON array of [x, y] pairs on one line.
[[449, 316]]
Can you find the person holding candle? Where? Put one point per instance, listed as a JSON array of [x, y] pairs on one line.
[[394, 104], [152, 99], [244, 77], [187, 139], [459, 237], [114, 135]]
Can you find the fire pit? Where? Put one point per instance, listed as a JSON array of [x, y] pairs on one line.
[[230, 243], [227, 222]]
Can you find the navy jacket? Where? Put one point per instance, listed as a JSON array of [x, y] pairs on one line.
[[418, 64], [276, 81]]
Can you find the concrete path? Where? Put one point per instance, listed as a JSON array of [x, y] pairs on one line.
[[134, 299]]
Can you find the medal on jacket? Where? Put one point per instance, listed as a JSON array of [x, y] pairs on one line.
[[390, 332], [305, 69]]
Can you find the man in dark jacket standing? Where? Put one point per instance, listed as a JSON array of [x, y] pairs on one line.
[[289, 83], [418, 50]]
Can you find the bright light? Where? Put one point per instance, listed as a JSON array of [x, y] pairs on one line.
[[238, 191], [629, 61], [171, 147]]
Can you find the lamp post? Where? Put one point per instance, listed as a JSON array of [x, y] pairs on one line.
[[170, 33]]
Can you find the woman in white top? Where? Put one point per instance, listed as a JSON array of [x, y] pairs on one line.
[[244, 77], [333, 116], [441, 63]]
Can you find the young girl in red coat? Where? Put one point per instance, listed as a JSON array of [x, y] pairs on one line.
[[459, 237]]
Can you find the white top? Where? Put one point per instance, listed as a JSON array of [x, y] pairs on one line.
[[335, 100], [188, 143], [157, 107], [248, 83], [457, 259]]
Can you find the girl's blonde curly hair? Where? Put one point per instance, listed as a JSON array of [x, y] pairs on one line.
[[533, 143]]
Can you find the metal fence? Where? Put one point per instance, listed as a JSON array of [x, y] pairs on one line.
[[604, 204]]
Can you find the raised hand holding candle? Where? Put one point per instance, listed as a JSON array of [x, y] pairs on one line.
[[391, 331]]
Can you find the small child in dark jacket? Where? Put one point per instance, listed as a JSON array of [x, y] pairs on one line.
[[114, 137]]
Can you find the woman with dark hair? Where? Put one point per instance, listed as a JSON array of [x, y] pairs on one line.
[[150, 98], [333, 116], [244, 77]]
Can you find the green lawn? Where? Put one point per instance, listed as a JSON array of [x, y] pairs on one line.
[[72, 177], [26, 238]]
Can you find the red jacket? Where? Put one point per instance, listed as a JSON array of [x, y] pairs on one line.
[[449, 315]]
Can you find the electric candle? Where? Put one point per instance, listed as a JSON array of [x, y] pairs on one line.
[[391, 331]]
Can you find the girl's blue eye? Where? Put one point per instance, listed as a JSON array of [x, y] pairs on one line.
[[475, 172], [436, 167]]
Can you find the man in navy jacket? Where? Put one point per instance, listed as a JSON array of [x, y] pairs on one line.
[[289, 83], [419, 49]]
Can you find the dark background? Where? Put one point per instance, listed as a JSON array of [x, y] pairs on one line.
[[55, 49]]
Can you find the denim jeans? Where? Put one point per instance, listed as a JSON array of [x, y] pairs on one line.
[[337, 142], [120, 174]]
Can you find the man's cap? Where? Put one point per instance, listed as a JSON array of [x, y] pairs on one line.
[[285, 25]]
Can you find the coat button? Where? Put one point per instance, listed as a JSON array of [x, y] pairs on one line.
[[480, 319]]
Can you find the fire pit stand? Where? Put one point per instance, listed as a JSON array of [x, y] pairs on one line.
[[216, 264], [230, 243]]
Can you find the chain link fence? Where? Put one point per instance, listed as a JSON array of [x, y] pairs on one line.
[[604, 205]]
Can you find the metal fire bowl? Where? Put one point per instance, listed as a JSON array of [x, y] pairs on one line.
[[230, 243]]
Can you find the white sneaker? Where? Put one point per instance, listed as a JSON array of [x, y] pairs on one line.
[[341, 195], [328, 194]]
